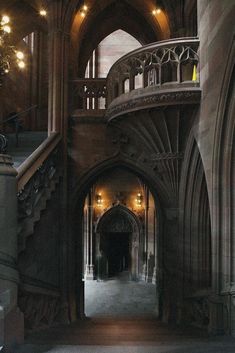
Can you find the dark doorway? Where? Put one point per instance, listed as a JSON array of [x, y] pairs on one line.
[[118, 253]]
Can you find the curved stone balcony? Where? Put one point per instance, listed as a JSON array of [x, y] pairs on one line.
[[162, 73]]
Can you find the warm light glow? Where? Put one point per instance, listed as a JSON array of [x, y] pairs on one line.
[[43, 12], [20, 55], [5, 20], [194, 77], [156, 11], [85, 7], [139, 199], [83, 14], [21, 64], [6, 29], [6, 71], [99, 199]]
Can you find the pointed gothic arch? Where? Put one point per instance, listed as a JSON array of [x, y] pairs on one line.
[[120, 219]]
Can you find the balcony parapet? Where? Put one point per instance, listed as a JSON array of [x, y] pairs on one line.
[[151, 97], [89, 95], [161, 73]]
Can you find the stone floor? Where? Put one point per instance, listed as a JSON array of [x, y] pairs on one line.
[[122, 319], [120, 297], [112, 335]]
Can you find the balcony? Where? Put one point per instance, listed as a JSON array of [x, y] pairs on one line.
[[89, 97], [159, 74], [162, 73]]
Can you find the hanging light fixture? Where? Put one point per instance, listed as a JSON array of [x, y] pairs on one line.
[[7, 51]]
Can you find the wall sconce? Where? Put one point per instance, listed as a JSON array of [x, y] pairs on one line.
[[156, 11], [139, 199], [99, 200], [84, 10]]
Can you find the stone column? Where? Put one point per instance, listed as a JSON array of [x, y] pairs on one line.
[[11, 319], [58, 50], [145, 265], [58, 47], [154, 278], [89, 273]]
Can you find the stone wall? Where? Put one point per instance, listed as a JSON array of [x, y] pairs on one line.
[[215, 133], [39, 267]]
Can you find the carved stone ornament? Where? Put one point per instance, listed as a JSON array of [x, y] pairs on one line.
[[149, 101], [39, 310], [3, 144], [33, 190]]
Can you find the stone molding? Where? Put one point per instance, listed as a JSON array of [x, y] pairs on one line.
[[145, 101], [167, 156]]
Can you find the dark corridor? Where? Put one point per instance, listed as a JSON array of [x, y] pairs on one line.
[[118, 253]]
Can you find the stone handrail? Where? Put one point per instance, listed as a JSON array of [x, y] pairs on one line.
[[31, 165], [37, 179], [159, 64]]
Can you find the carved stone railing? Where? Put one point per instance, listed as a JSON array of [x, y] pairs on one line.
[[3, 144], [160, 73], [37, 178], [89, 95]]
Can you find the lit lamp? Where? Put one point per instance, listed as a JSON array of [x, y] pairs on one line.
[[99, 200], [156, 11], [6, 50], [139, 199], [43, 13], [84, 10]]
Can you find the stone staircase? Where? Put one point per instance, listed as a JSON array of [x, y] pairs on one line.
[[28, 142], [33, 197]]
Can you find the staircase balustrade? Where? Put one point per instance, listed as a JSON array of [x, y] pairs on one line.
[[37, 178], [158, 64], [89, 95], [160, 73]]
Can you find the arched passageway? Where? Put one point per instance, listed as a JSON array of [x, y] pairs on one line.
[[120, 246]]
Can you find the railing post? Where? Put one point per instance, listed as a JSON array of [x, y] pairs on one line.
[[11, 317], [132, 81]]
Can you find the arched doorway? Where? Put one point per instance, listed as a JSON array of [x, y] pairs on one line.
[[118, 239], [119, 244]]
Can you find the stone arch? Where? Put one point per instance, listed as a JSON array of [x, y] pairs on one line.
[[223, 202], [75, 280], [120, 219], [114, 16], [156, 186], [196, 238]]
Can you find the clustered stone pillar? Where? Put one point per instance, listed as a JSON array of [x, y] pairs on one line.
[[145, 265], [89, 268], [11, 319], [58, 49], [154, 278]]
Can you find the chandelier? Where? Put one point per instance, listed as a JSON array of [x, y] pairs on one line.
[[7, 51]]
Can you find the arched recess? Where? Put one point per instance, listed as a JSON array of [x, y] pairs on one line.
[[75, 260], [223, 200], [120, 219], [115, 15], [195, 232]]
